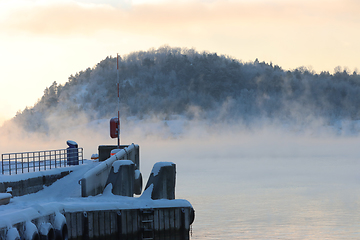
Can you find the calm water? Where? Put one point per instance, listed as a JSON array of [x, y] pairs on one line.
[[267, 183], [274, 198]]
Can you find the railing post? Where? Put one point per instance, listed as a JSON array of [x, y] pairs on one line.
[[34, 161], [16, 164], [22, 163], [28, 161], [61, 156], [9, 165], [39, 160], [45, 157]]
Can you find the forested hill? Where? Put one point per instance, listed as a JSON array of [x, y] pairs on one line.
[[174, 81]]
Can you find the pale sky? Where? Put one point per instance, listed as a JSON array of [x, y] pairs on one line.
[[48, 40]]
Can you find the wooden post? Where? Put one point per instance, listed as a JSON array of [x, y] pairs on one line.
[[96, 225], [85, 226], [91, 224], [79, 223], [113, 224], [101, 220], [119, 225]]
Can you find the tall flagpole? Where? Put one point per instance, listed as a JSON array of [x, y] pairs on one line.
[[118, 87]]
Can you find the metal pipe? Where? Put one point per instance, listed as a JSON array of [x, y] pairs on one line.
[[118, 80]]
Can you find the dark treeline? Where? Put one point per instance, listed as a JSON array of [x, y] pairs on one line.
[[175, 81]]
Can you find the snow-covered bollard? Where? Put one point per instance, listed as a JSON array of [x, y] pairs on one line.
[[95, 157], [46, 231], [61, 230], [31, 231], [162, 179], [5, 198], [13, 234], [122, 176]]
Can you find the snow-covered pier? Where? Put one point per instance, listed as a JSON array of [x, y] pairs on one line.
[[95, 201]]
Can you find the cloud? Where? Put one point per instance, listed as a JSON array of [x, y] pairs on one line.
[[198, 138], [289, 33], [58, 18], [62, 18]]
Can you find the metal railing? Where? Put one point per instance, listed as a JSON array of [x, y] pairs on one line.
[[16, 163]]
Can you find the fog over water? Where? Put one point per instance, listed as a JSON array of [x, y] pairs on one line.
[[269, 183], [264, 182]]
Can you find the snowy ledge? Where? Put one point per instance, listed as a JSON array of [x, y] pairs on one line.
[[10, 215], [109, 201]]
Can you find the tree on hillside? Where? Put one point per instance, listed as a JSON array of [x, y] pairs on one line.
[[172, 81]]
